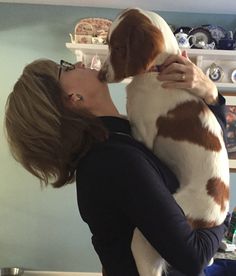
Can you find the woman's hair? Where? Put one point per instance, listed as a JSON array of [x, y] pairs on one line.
[[44, 136]]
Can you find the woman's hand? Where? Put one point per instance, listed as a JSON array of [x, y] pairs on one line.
[[178, 71]]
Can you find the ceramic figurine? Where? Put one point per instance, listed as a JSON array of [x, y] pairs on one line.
[[183, 39]]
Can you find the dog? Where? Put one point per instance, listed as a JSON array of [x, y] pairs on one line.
[[176, 125]]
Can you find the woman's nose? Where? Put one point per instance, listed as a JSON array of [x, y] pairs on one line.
[[79, 64]]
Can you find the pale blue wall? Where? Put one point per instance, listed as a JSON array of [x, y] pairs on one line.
[[42, 229]]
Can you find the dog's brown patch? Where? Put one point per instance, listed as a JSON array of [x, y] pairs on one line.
[[200, 223], [183, 124], [219, 191], [134, 44]]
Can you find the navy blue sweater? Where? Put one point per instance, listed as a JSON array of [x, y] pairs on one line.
[[122, 185]]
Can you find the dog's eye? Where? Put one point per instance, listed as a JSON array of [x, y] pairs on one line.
[[119, 49]]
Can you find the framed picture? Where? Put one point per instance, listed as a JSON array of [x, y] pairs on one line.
[[231, 128]]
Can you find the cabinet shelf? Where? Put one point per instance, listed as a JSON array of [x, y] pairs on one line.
[[203, 58], [85, 52], [227, 54]]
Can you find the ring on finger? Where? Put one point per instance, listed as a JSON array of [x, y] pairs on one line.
[[183, 77]]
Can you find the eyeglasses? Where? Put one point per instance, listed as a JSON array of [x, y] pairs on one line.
[[65, 66]]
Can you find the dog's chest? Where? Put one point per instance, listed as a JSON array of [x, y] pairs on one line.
[[147, 99]]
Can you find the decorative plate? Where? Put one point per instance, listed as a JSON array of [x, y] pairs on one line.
[[215, 72], [97, 27], [202, 36], [233, 76], [217, 32]]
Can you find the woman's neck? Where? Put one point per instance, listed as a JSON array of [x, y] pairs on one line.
[[107, 110], [104, 106]]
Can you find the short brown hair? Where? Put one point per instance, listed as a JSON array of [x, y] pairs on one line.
[[46, 138]]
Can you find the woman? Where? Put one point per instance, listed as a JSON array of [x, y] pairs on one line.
[[62, 124]]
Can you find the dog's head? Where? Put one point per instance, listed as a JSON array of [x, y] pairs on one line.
[[135, 39]]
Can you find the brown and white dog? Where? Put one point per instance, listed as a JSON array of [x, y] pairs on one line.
[[178, 126]]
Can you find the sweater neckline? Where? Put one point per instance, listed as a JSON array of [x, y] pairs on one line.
[[117, 125]]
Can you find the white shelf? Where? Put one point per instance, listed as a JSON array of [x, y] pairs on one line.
[[227, 54], [203, 58], [226, 87], [85, 52]]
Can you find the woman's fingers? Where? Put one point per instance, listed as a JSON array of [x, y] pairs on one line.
[[178, 76], [173, 68], [178, 59], [180, 72], [185, 54], [175, 85]]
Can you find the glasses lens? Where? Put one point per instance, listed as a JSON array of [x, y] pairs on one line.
[[65, 66]]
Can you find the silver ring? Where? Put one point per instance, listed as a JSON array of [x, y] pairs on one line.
[[183, 77]]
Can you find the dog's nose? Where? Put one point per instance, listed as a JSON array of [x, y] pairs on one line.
[[102, 75]]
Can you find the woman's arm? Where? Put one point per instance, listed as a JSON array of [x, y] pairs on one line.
[[138, 189], [219, 111]]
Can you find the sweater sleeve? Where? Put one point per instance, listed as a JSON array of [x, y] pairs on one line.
[[219, 111], [141, 194]]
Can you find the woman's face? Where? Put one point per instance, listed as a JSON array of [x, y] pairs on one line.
[[84, 82], [83, 89]]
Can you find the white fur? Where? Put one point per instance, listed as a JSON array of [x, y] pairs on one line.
[[192, 164]]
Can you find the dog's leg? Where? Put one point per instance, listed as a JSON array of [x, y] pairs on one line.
[[148, 260]]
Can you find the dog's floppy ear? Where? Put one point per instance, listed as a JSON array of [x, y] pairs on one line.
[[144, 43]]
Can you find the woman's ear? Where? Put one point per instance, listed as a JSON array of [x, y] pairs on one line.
[[71, 100], [75, 97]]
